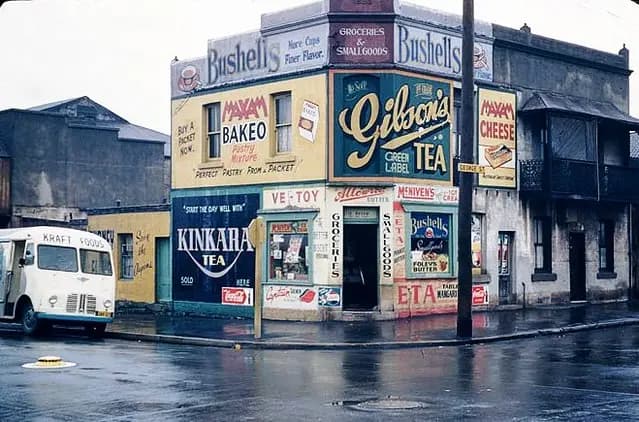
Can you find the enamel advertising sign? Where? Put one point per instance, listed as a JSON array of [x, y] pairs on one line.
[[497, 137], [213, 260], [391, 126]]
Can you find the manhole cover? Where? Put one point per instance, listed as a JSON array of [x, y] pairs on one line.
[[388, 403], [49, 362]]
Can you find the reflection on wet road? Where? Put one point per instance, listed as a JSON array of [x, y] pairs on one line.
[[587, 376]]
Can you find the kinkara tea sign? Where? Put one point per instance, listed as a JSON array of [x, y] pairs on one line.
[[497, 137], [390, 126]]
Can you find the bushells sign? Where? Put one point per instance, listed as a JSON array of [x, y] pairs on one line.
[[211, 248], [391, 126]]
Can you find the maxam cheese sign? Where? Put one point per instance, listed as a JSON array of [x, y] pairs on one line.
[[497, 137]]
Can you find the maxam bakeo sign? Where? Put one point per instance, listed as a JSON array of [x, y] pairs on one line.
[[497, 137], [244, 120], [213, 260], [390, 126]]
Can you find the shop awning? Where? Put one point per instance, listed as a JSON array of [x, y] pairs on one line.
[[558, 102]]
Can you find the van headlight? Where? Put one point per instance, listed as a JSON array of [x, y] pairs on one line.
[[108, 303], [53, 300]]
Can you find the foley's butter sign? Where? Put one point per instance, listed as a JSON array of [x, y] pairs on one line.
[[391, 126]]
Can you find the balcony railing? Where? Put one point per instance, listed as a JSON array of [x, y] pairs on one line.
[[578, 179]]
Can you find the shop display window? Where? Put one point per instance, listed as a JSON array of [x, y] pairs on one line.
[[288, 250]]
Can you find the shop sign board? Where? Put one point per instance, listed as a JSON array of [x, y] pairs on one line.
[[427, 194], [390, 126], [211, 247], [480, 295], [497, 137], [237, 296], [432, 50], [290, 297], [361, 42], [294, 198]]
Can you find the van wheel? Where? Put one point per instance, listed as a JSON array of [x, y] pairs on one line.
[[95, 330], [30, 323]]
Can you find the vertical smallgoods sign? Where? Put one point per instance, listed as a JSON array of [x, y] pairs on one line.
[[213, 259], [390, 126], [497, 137]]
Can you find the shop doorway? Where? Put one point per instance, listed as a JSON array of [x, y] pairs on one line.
[[360, 281], [505, 267], [577, 259]]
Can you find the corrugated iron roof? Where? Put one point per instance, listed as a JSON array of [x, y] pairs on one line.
[[560, 102]]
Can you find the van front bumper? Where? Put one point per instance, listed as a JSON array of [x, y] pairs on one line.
[[75, 318]]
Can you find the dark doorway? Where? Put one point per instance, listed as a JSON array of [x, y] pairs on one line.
[[360, 267], [577, 259], [505, 266]]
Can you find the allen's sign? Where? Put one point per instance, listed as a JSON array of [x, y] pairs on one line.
[[391, 126]]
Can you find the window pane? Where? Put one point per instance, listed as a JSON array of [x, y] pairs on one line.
[[288, 243], [284, 139], [283, 109], [214, 117], [95, 262], [539, 257], [214, 145], [57, 258], [126, 256]]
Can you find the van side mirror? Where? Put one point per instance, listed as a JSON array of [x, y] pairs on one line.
[[22, 262], [26, 261]]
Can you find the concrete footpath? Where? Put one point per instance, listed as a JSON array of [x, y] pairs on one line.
[[428, 331]]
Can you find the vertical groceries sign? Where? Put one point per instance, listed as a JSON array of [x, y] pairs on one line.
[[497, 137], [213, 260], [391, 126]]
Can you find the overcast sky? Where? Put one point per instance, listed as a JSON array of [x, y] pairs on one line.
[[118, 52]]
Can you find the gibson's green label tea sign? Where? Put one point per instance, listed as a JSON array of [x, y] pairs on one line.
[[391, 126]]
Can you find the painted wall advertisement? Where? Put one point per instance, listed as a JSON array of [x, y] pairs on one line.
[[246, 134], [497, 137], [250, 56], [187, 76], [432, 50], [390, 126], [213, 260], [361, 42], [415, 298], [329, 297], [290, 297], [430, 243]]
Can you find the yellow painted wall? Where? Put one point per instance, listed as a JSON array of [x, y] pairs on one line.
[[248, 163], [145, 227]]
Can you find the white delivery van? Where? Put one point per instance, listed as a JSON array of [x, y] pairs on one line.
[[56, 275]]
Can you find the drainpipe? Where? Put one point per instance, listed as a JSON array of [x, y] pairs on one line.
[[523, 284], [630, 254]]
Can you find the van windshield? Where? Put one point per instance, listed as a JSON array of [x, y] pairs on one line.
[[95, 262], [57, 258]]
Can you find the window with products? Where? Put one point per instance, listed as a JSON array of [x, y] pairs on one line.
[[288, 250]]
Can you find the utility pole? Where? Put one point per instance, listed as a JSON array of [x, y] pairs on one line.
[[465, 277]]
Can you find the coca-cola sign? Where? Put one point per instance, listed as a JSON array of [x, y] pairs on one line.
[[237, 296]]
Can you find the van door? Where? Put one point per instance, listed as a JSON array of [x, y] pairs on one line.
[[14, 277], [6, 249]]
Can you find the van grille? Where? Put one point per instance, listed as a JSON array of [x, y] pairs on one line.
[[91, 301], [81, 303], [72, 303]]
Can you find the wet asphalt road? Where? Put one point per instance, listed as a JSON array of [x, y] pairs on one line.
[[592, 375]]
